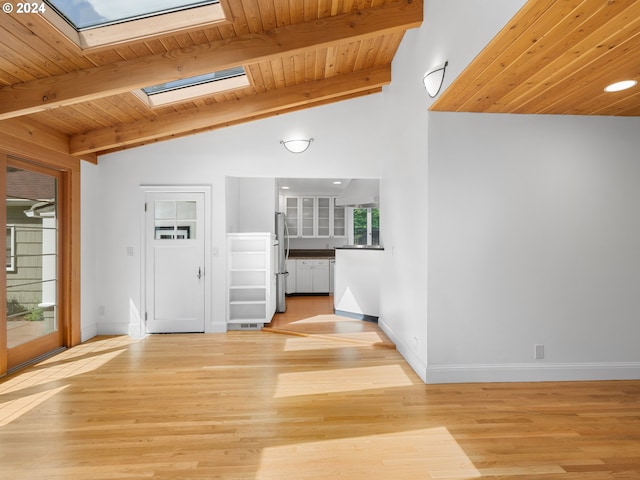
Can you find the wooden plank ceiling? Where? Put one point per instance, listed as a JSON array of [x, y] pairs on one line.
[[555, 57], [296, 54]]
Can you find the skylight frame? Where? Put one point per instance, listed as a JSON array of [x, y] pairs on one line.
[[187, 4], [162, 24], [229, 79]]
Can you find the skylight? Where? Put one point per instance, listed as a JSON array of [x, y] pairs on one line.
[[193, 81], [189, 88], [100, 23], [85, 14]]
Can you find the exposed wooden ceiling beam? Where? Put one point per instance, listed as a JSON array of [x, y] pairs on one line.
[[31, 132], [253, 118], [223, 113], [98, 82]]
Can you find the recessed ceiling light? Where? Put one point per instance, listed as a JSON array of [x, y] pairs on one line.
[[284, 188], [337, 182], [618, 86]]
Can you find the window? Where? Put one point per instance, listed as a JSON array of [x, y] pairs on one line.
[[32, 289], [187, 88], [93, 23], [175, 219], [366, 226]]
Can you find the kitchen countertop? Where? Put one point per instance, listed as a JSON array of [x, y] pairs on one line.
[[318, 253]]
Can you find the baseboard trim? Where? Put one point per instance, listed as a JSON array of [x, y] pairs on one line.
[[87, 332], [113, 329], [527, 372], [407, 353]]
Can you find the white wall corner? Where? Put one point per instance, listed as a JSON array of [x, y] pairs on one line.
[[87, 332], [410, 356]]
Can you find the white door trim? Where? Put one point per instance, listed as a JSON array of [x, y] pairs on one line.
[[206, 190]]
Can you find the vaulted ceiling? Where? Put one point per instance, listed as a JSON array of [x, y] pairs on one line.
[[555, 57], [296, 55]]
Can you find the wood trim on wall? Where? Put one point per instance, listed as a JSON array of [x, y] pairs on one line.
[[69, 205], [3, 278]]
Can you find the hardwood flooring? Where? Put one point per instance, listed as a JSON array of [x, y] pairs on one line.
[[254, 405], [313, 316]]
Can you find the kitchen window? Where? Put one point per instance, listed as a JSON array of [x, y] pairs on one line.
[[366, 226]]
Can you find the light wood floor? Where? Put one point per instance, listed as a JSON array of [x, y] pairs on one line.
[[254, 405], [313, 316]]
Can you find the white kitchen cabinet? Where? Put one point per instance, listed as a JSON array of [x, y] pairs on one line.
[[312, 275], [323, 217], [338, 219], [250, 282], [308, 218], [304, 277], [292, 215], [320, 276], [314, 217]]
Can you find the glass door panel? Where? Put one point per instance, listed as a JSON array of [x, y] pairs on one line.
[[324, 216], [32, 256], [308, 216]]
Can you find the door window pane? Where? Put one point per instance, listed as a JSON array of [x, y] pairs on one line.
[[165, 210], [186, 210], [175, 220], [32, 268]]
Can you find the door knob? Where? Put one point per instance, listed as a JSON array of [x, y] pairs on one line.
[[199, 273]]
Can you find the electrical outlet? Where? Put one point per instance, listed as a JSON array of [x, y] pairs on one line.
[[538, 352]]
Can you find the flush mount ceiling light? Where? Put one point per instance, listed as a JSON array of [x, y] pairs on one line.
[[433, 79], [296, 146], [619, 86]]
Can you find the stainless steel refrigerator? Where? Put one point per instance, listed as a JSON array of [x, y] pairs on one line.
[[282, 236]]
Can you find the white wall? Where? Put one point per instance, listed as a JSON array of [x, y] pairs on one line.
[[345, 149], [251, 203], [533, 239], [455, 31], [500, 232]]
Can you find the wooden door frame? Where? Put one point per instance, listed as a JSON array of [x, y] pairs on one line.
[[68, 168]]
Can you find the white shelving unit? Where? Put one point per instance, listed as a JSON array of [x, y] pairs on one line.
[[250, 279]]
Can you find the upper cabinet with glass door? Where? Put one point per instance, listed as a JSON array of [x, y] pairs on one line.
[[292, 215], [308, 220], [314, 217], [324, 217], [338, 219]]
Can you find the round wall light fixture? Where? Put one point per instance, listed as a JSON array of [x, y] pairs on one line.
[[296, 146], [434, 78]]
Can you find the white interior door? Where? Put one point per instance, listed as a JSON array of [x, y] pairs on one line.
[[175, 260]]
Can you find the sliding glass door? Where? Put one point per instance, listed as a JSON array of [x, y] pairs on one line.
[[32, 262]]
